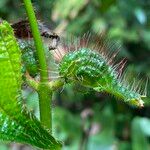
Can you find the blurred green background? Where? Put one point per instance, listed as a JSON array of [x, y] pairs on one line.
[[90, 120]]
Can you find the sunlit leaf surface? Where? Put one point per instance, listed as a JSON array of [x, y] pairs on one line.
[[16, 123]]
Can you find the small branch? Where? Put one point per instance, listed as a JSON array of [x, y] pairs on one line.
[[31, 82]]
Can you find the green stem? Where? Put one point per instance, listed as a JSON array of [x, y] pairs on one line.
[[45, 95], [45, 101], [37, 39], [31, 82]]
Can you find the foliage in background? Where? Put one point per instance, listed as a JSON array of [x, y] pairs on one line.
[[112, 124]]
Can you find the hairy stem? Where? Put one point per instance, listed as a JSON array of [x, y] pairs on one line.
[[44, 95], [37, 39], [45, 100], [31, 82]]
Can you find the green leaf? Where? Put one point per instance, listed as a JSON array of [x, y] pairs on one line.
[[16, 123], [106, 4], [71, 8], [29, 58], [91, 69], [140, 131]]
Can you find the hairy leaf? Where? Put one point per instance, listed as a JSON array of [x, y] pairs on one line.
[[29, 58], [16, 123], [92, 67]]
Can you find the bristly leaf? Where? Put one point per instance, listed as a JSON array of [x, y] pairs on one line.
[[92, 66], [29, 57], [16, 123]]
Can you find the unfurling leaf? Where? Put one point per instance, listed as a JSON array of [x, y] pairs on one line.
[[92, 67], [16, 123]]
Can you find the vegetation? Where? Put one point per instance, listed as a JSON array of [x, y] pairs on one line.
[[82, 118]]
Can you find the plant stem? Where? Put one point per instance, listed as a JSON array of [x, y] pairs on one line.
[[45, 100], [31, 82], [45, 95], [37, 40]]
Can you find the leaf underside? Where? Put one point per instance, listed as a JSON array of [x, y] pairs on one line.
[[16, 123]]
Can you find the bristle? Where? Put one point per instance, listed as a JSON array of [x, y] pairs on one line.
[[58, 54], [144, 94], [35, 7], [133, 85], [138, 85], [120, 66]]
